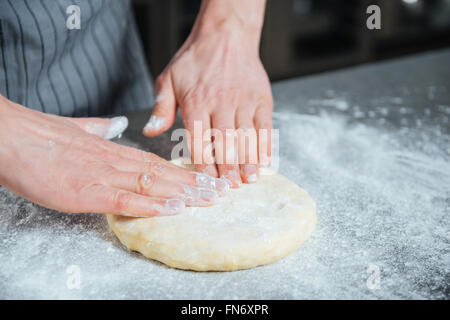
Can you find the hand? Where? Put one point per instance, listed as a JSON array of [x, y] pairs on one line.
[[217, 78], [65, 164]]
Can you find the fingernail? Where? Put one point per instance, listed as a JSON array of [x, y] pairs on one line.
[[220, 185], [174, 206], [194, 195], [249, 173], [234, 178], [116, 127], [155, 123]]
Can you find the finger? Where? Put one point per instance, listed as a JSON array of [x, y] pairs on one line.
[[197, 123], [225, 146], [174, 174], [164, 113], [103, 199], [263, 125], [248, 145], [150, 184], [134, 160], [104, 128]]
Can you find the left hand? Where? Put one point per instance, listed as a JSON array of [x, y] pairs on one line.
[[218, 78]]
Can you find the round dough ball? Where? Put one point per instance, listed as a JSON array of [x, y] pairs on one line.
[[253, 225]]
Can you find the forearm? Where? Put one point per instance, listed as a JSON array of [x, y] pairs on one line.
[[238, 17]]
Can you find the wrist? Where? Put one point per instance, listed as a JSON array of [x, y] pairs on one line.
[[231, 20]]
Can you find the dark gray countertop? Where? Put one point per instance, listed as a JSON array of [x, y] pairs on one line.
[[372, 147]]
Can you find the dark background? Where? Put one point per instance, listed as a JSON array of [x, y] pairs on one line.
[[303, 37]]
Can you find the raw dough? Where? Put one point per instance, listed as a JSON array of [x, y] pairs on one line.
[[254, 225]]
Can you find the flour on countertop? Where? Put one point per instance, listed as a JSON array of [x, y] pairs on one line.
[[383, 198]]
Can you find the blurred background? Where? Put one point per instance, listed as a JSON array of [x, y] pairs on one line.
[[302, 37]]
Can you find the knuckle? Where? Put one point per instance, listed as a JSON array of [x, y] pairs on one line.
[[146, 182], [148, 179]]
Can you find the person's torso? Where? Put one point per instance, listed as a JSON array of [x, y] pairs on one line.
[[47, 64]]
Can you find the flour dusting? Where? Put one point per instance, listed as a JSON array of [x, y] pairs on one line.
[[382, 197]]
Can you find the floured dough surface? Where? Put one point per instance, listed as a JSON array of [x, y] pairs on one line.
[[253, 225]]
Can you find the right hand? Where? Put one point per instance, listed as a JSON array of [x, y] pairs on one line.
[[64, 164]]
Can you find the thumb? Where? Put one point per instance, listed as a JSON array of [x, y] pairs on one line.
[[164, 112], [105, 128]]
